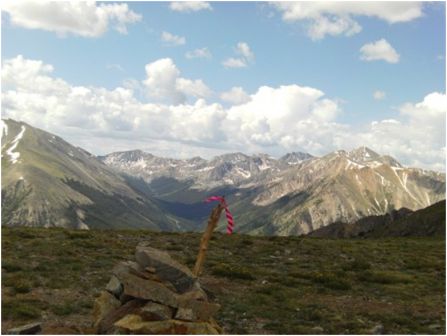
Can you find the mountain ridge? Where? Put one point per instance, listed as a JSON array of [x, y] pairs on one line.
[[48, 182], [426, 222]]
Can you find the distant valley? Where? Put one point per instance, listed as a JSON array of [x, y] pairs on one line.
[[48, 182]]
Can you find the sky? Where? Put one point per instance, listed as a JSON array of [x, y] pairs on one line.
[[184, 79]]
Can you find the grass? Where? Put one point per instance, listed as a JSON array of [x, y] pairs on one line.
[[281, 285]]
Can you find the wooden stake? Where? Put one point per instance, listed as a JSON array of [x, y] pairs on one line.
[[212, 223]]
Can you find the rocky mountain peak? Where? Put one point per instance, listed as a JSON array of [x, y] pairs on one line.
[[295, 157], [363, 154], [231, 157], [130, 156]]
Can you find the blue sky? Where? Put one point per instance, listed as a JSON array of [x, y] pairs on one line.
[[406, 71]]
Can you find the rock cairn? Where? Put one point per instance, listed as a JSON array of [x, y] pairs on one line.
[[154, 295]]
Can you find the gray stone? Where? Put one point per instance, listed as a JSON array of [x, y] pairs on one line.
[[153, 311], [27, 329], [131, 267], [114, 286], [165, 267], [137, 287]]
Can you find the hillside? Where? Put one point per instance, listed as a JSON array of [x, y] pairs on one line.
[[265, 285], [292, 195], [426, 222], [48, 182]]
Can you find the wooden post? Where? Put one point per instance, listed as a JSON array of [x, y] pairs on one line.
[[212, 223]]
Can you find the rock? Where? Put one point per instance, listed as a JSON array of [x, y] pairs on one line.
[[185, 314], [195, 310], [114, 286], [377, 329], [103, 305], [434, 326], [131, 267], [137, 287], [165, 267], [135, 325], [196, 293], [105, 325], [135, 269], [27, 329], [318, 329], [153, 311]]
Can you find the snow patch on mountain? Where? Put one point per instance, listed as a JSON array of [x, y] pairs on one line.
[[14, 156], [4, 129]]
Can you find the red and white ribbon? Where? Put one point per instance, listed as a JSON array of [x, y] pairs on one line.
[[227, 211]]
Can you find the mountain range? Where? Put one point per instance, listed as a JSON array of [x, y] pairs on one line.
[[48, 182], [292, 195]]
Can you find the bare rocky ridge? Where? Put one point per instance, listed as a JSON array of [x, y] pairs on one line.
[[155, 295]]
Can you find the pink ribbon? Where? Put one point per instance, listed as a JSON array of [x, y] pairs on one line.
[[227, 211]]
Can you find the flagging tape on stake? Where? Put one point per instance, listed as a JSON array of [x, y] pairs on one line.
[[227, 211]]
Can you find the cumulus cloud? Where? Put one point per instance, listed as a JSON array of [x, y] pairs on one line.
[[246, 56], [83, 18], [198, 53], [273, 119], [418, 138], [189, 6], [380, 50], [236, 95], [379, 95], [234, 63], [172, 40], [337, 18], [164, 83]]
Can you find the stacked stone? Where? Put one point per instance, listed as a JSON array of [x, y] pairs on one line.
[[154, 295]]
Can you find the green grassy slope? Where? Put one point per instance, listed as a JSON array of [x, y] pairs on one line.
[[280, 285]]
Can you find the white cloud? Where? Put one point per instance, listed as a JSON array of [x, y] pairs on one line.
[[337, 17], [172, 40], [234, 63], [273, 119], [418, 138], [380, 50], [244, 50], [246, 56], [236, 95], [84, 18], [379, 95], [198, 53], [189, 6], [164, 83]]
